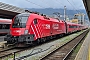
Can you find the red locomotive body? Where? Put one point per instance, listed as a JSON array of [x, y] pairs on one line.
[[30, 27], [27, 28]]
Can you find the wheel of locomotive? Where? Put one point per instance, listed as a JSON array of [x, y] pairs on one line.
[[44, 39], [54, 36], [38, 41], [51, 37], [57, 36], [61, 35]]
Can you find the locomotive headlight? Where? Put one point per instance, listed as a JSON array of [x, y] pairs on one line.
[[26, 32]]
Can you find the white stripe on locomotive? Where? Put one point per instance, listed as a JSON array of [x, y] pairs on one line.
[[34, 32]]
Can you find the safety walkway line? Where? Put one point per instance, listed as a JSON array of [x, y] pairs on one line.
[[83, 53], [89, 52]]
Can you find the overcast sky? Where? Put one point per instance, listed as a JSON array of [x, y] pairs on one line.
[[70, 4]]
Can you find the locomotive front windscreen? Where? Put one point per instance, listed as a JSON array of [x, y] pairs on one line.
[[20, 21]]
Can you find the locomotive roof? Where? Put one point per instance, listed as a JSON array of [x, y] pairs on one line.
[[47, 18], [24, 14], [41, 17]]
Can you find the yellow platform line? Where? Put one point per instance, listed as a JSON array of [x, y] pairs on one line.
[[89, 52]]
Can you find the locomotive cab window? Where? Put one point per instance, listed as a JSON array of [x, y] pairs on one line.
[[35, 21], [20, 21]]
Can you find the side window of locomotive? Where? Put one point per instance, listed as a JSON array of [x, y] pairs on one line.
[[35, 21]]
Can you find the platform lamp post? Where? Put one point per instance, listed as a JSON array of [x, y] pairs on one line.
[[64, 13]]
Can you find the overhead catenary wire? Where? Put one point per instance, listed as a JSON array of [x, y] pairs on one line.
[[73, 6], [60, 2], [43, 7], [56, 13], [34, 3], [50, 6], [37, 4], [55, 2], [46, 3]]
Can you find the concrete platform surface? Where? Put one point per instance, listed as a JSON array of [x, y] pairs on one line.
[[83, 53]]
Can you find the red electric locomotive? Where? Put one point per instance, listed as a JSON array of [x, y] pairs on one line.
[[27, 28]]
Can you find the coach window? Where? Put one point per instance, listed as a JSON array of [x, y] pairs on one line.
[[35, 21], [70, 26], [0, 26], [3, 26], [76, 26]]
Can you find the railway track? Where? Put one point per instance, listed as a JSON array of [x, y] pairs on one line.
[[65, 50], [9, 51], [6, 49], [12, 50]]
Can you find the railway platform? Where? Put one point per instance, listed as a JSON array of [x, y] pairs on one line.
[[2, 42], [84, 52]]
